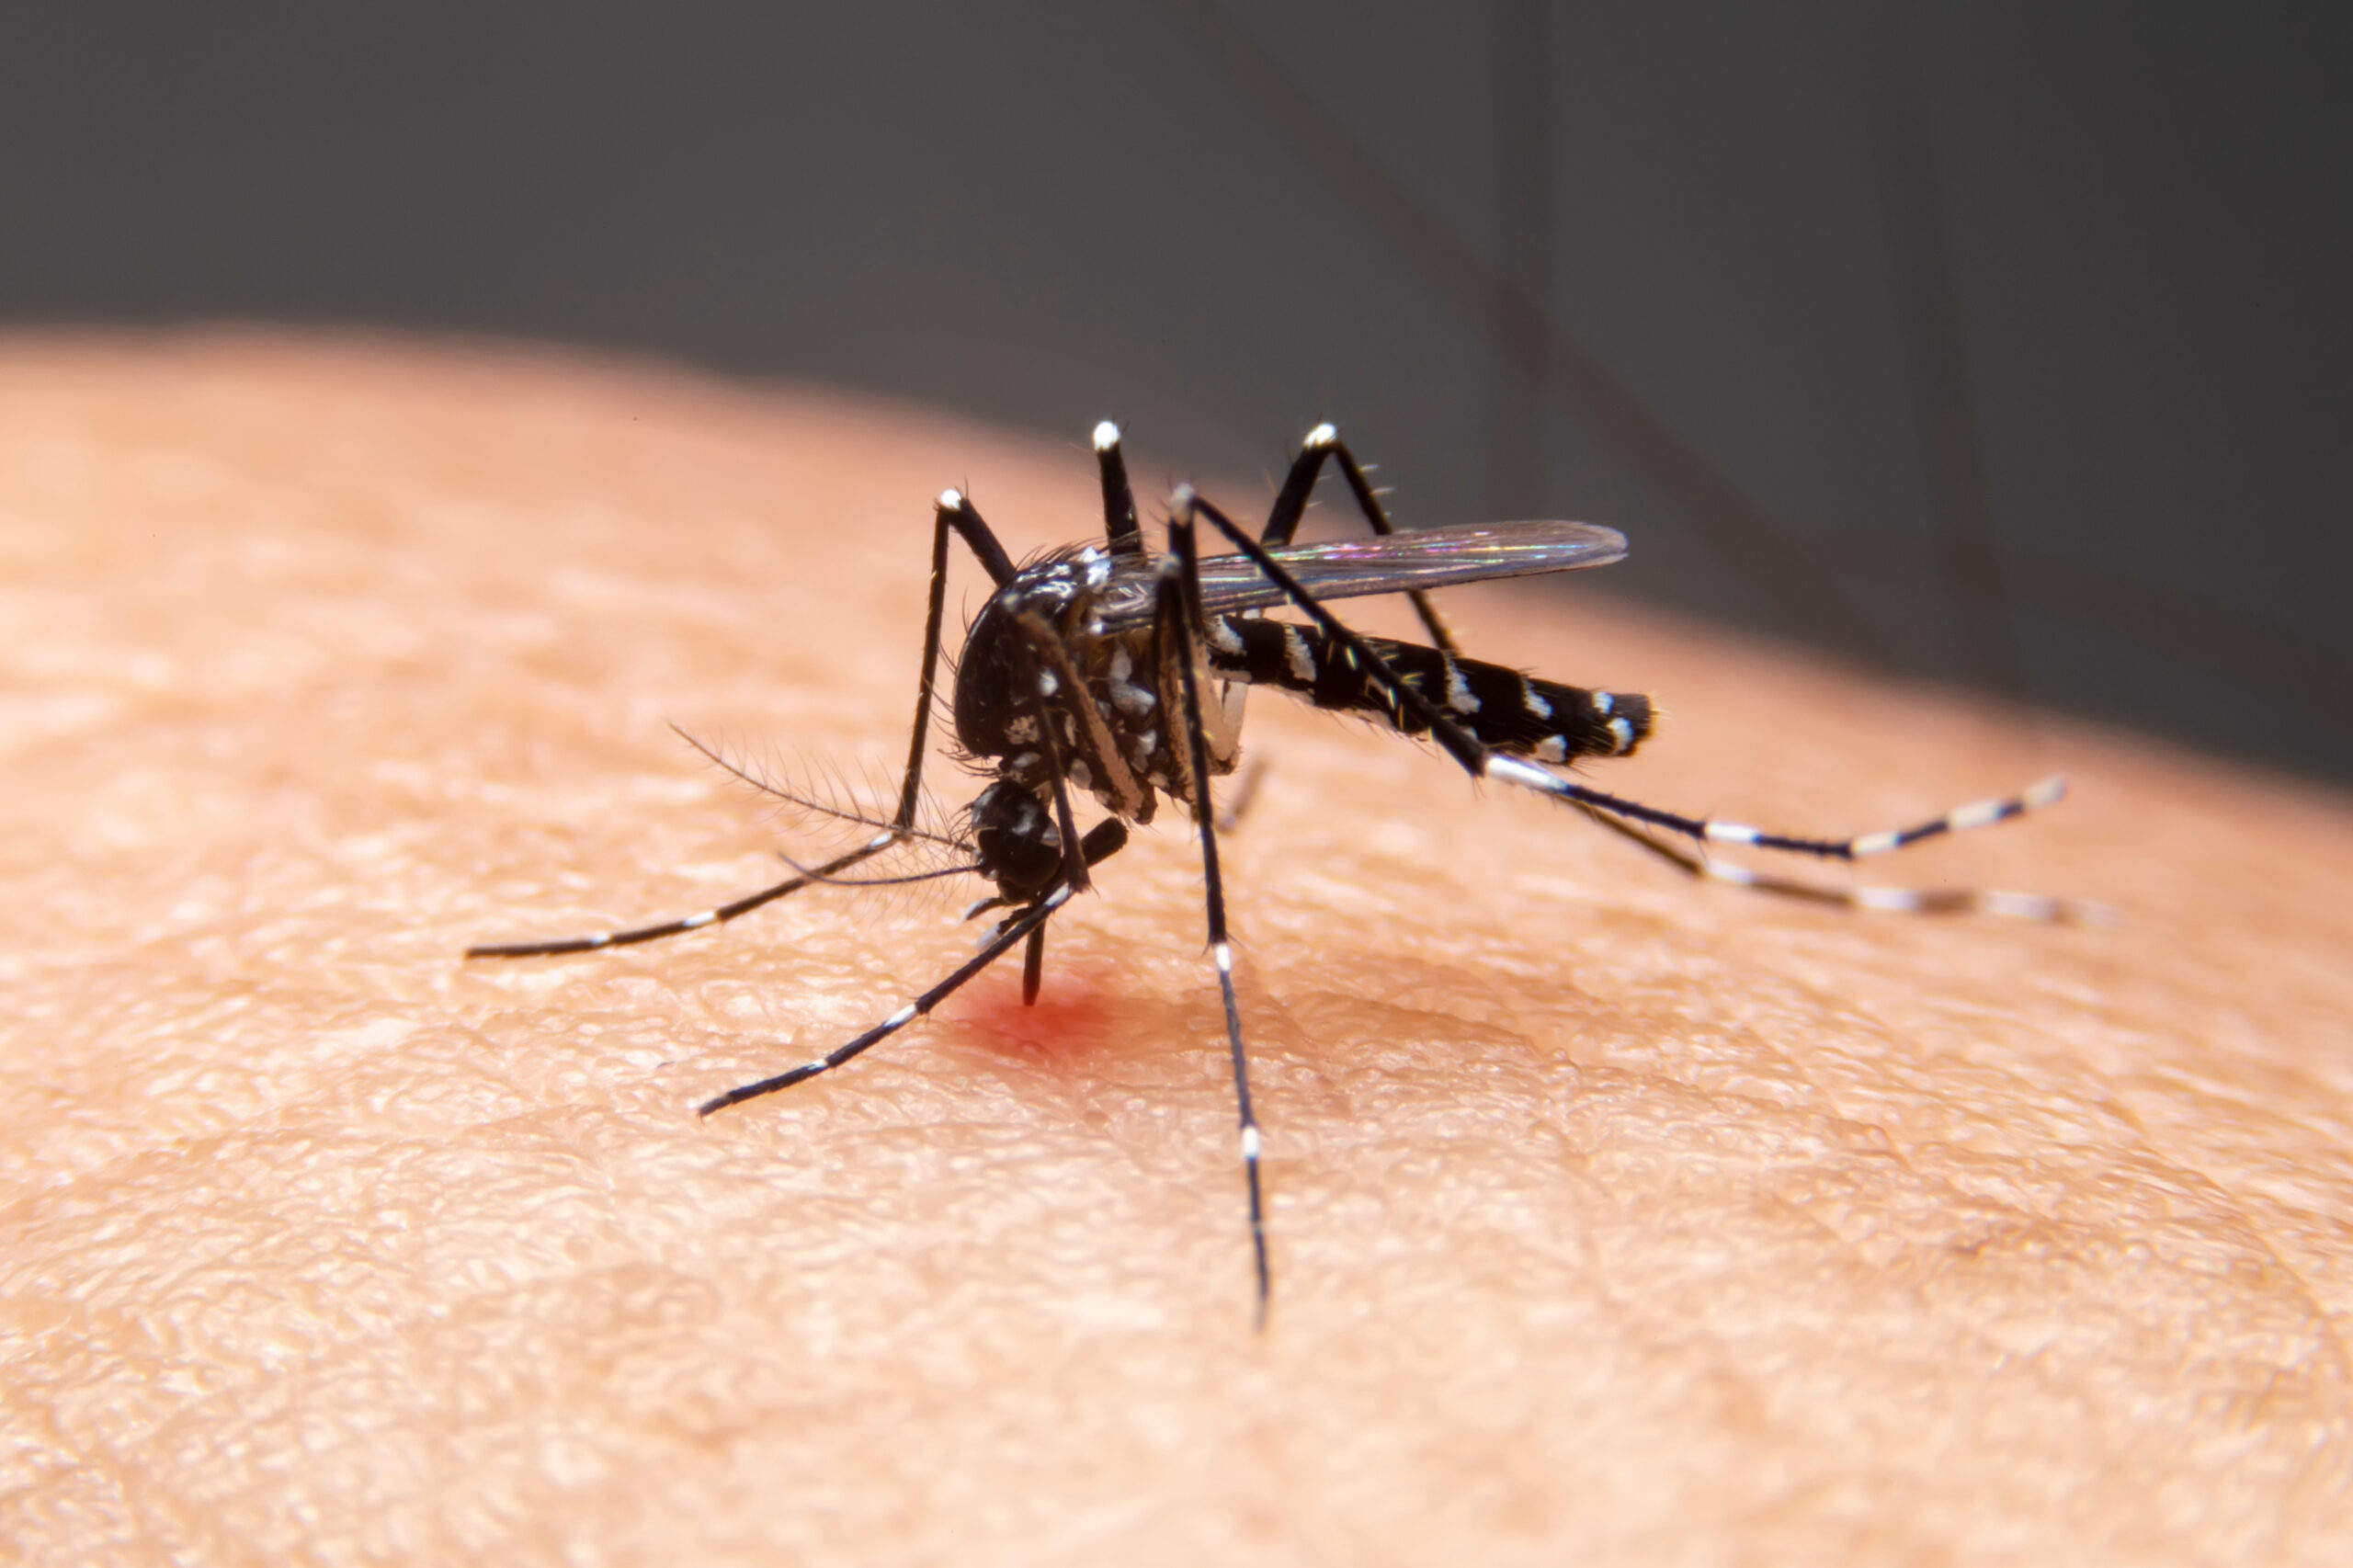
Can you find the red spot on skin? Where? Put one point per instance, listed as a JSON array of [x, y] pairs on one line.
[[1071, 1021]]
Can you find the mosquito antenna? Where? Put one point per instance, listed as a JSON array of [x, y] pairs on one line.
[[808, 801]]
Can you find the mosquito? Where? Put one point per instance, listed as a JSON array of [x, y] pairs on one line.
[[1102, 670]]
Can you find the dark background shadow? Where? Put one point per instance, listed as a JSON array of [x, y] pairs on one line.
[[1999, 344]]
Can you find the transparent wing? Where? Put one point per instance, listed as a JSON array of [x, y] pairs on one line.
[[1347, 569]]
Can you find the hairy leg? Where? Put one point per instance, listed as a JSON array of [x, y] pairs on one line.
[[1616, 1218]]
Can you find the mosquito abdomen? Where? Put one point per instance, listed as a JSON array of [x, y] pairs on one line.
[[1510, 711]]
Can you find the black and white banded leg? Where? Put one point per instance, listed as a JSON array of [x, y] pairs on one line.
[[1104, 839], [1179, 618], [1120, 535], [1019, 929], [953, 515], [1455, 733], [1899, 901]]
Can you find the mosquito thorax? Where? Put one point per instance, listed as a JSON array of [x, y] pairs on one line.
[[995, 717], [1111, 732]]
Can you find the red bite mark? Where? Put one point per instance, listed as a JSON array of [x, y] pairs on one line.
[[1071, 1021]]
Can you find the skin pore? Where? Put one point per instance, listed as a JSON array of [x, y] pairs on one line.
[[1615, 1218]]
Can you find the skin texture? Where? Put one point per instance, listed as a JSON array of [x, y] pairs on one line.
[[1616, 1219]]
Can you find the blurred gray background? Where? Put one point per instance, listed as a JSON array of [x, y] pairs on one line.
[[2005, 345]]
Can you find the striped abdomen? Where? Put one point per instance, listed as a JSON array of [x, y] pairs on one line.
[[1512, 712]]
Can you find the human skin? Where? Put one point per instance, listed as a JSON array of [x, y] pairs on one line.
[[1616, 1219]]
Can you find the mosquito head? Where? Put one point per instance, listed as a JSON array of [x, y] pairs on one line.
[[1018, 846]]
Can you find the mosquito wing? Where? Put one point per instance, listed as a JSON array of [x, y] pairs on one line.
[[1391, 563]]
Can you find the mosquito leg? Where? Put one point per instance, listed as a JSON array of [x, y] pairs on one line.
[[1291, 506], [717, 916], [1120, 531], [1179, 616], [1482, 762], [1899, 901], [1056, 687], [1032, 919], [953, 514], [1074, 878], [1712, 830], [1921, 901]]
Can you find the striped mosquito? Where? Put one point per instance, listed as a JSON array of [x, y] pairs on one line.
[[1102, 670]]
